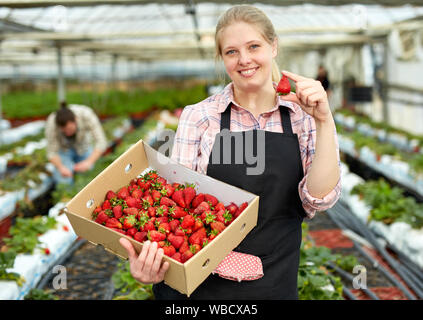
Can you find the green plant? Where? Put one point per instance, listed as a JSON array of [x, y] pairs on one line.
[[39, 294], [7, 260], [129, 288]]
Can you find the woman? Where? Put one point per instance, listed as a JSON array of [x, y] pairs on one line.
[[301, 173]]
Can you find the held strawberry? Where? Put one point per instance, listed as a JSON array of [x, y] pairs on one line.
[[284, 86]]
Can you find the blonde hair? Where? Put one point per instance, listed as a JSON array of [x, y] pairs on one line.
[[251, 15]]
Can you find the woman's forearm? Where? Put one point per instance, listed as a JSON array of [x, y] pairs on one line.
[[324, 171]]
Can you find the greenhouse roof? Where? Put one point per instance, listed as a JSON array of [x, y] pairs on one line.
[[177, 30]]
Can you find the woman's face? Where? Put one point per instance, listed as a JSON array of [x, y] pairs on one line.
[[247, 56]]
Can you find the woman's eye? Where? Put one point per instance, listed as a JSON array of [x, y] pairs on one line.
[[230, 51], [254, 46]]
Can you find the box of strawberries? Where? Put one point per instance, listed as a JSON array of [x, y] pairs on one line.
[[144, 195]]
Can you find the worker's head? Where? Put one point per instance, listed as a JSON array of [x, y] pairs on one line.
[[65, 120], [247, 43]]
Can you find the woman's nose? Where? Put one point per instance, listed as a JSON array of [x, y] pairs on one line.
[[244, 58]]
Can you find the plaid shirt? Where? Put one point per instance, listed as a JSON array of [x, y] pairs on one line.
[[199, 124], [89, 132]]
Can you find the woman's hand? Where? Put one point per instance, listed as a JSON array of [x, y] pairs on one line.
[[146, 268], [310, 96]]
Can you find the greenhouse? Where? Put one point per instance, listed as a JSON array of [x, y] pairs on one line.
[[211, 150]]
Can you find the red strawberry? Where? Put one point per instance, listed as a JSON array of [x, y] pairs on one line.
[[176, 185], [117, 212], [119, 230], [184, 247], [169, 250], [152, 211], [203, 206], [224, 216], [197, 224], [110, 194], [178, 197], [186, 256], [176, 241], [232, 208], [66, 228], [148, 226], [212, 199], [187, 221], [167, 202], [161, 180], [198, 236], [164, 227], [123, 193], [148, 199], [168, 190], [140, 236], [177, 212], [131, 232], [102, 217], [217, 226], [162, 211], [189, 195], [156, 195], [97, 210], [179, 232], [130, 211], [241, 208], [197, 200], [219, 206], [129, 222], [162, 220], [46, 251], [133, 203], [177, 256], [156, 236], [284, 86], [137, 194], [208, 217], [106, 205], [196, 247], [113, 223], [174, 224]]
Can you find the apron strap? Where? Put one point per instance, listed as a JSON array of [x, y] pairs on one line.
[[225, 120], [285, 119]]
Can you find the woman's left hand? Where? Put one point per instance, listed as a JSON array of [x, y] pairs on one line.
[[310, 96]]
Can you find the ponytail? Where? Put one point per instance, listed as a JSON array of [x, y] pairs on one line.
[[276, 73], [64, 115]]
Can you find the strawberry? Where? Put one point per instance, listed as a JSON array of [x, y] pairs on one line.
[[176, 185], [106, 205], [148, 199], [161, 180], [176, 241], [174, 224], [195, 247], [187, 221], [119, 230], [113, 223], [186, 256], [197, 224], [219, 206], [110, 194], [164, 227], [162, 211], [123, 193], [208, 217], [241, 208], [156, 195], [162, 220], [151, 175], [177, 212], [148, 226], [97, 210], [177, 256], [217, 226], [178, 197], [203, 206], [130, 211], [198, 236], [284, 86], [102, 217], [232, 208], [131, 232], [212, 199], [152, 211], [156, 236], [167, 202], [189, 195], [129, 222], [168, 190], [117, 212], [133, 202], [169, 250], [137, 194], [184, 247], [140, 236], [179, 232], [65, 228], [46, 251], [197, 200], [224, 216]]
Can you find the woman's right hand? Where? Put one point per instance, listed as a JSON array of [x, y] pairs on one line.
[[146, 267]]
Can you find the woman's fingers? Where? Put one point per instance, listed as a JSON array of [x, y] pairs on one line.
[[163, 270], [157, 262], [149, 259], [294, 77], [127, 245]]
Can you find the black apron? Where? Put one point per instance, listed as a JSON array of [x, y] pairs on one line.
[[276, 239]]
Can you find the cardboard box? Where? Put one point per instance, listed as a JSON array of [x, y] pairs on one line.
[[140, 158]]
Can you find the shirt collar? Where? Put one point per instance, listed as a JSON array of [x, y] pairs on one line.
[[227, 97]]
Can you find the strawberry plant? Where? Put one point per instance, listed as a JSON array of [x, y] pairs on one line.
[[39, 294], [128, 287], [7, 260]]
